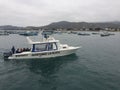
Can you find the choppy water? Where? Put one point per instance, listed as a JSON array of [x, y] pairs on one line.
[[96, 66]]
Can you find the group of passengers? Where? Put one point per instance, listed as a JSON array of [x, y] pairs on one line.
[[19, 50]]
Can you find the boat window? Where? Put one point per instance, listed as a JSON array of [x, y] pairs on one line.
[[55, 46], [40, 47], [44, 47]]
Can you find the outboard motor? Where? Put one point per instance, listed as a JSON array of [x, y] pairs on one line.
[[6, 55]]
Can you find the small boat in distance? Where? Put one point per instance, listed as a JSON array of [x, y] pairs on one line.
[[84, 34], [29, 33], [105, 33], [3, 33], [47, 48], [95, 33]]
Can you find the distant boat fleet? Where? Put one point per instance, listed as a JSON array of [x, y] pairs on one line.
[[23, 33], [101, 33], [35, 33]]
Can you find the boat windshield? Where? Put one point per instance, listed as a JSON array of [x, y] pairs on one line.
[[44, 47]]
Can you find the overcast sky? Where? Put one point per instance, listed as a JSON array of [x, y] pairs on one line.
[[43, 12]]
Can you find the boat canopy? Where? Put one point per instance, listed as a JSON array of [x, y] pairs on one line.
[[45, 42], [51, 40]]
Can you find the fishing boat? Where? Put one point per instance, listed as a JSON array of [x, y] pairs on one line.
[[29, 33], [47, 48], [104, 33], [84, 34], [2, 33], [95, 33]]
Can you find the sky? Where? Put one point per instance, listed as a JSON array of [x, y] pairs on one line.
[[43, 12]]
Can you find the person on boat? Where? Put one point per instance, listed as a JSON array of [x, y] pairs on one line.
[[50, 46], [13, 50], [46, 36], [28, 49], [24, 49], [19, 50]]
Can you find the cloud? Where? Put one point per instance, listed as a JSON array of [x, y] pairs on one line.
[[42, 12]]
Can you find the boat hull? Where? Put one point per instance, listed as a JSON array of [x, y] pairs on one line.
[[48, 54]]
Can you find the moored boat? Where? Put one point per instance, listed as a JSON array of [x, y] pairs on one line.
[[29, 33], [104, 33], [84, 34], [95, 33], [2, 33]]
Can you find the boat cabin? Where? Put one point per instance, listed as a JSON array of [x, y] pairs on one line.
[[48, 43], [49, 46]]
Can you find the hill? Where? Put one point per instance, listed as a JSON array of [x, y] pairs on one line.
[[81, 25], [68, 26]]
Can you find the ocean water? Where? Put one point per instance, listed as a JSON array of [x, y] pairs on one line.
[[95, 66]]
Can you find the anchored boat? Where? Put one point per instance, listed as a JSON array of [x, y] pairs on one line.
[[84, 34], [47, 48], [29, 33]]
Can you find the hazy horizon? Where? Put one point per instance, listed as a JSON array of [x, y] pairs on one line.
[[44, 12]]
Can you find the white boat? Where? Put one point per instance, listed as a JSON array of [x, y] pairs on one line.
[[105, 33], [47, 48], [3, 33]]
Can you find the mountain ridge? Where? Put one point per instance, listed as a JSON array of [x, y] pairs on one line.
[[66, 25]]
